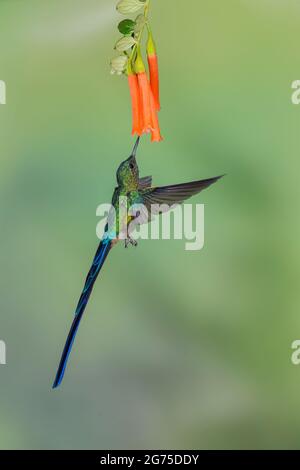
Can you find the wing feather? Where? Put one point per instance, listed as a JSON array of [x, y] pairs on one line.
[[145, 182], [175, 194]]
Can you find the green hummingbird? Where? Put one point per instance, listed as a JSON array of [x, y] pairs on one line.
[[137, 192]]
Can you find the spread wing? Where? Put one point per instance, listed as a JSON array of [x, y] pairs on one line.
[[145, 182], [169, 196]]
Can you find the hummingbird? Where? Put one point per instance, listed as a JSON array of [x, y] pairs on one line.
[[137, 191]]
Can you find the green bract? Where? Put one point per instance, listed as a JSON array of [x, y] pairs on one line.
[[125, 43], [129, 6], [126, 27], [139, 24], [118, 64]]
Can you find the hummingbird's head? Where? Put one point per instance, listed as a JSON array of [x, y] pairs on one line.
[[128, 171]]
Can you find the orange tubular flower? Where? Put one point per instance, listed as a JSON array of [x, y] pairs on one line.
[[153, 68], [137, 117], [145, 91], [155, 134]]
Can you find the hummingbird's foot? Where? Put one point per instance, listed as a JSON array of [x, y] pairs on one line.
[[130, 241]]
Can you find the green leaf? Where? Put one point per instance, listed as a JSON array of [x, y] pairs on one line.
[[126, 27], [129, 6], [125, 43]]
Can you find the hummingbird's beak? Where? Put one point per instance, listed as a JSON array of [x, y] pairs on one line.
[[134, 151]]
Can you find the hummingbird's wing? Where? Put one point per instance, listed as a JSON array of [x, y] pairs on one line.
[[100, 257], [169, 196], [145, 182]]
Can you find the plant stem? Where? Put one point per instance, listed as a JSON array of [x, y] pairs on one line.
[[138, 40]]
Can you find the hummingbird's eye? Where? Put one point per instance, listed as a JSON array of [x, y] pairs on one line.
[[131, 166]]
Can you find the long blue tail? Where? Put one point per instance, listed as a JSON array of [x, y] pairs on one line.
[[100, 257]]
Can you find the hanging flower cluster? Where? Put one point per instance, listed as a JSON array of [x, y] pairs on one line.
[[144, 89]]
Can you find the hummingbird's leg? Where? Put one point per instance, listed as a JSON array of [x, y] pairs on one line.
[[133, 242], [130, 241]]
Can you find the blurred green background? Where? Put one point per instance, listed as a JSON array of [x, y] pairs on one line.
[[177, 349]]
